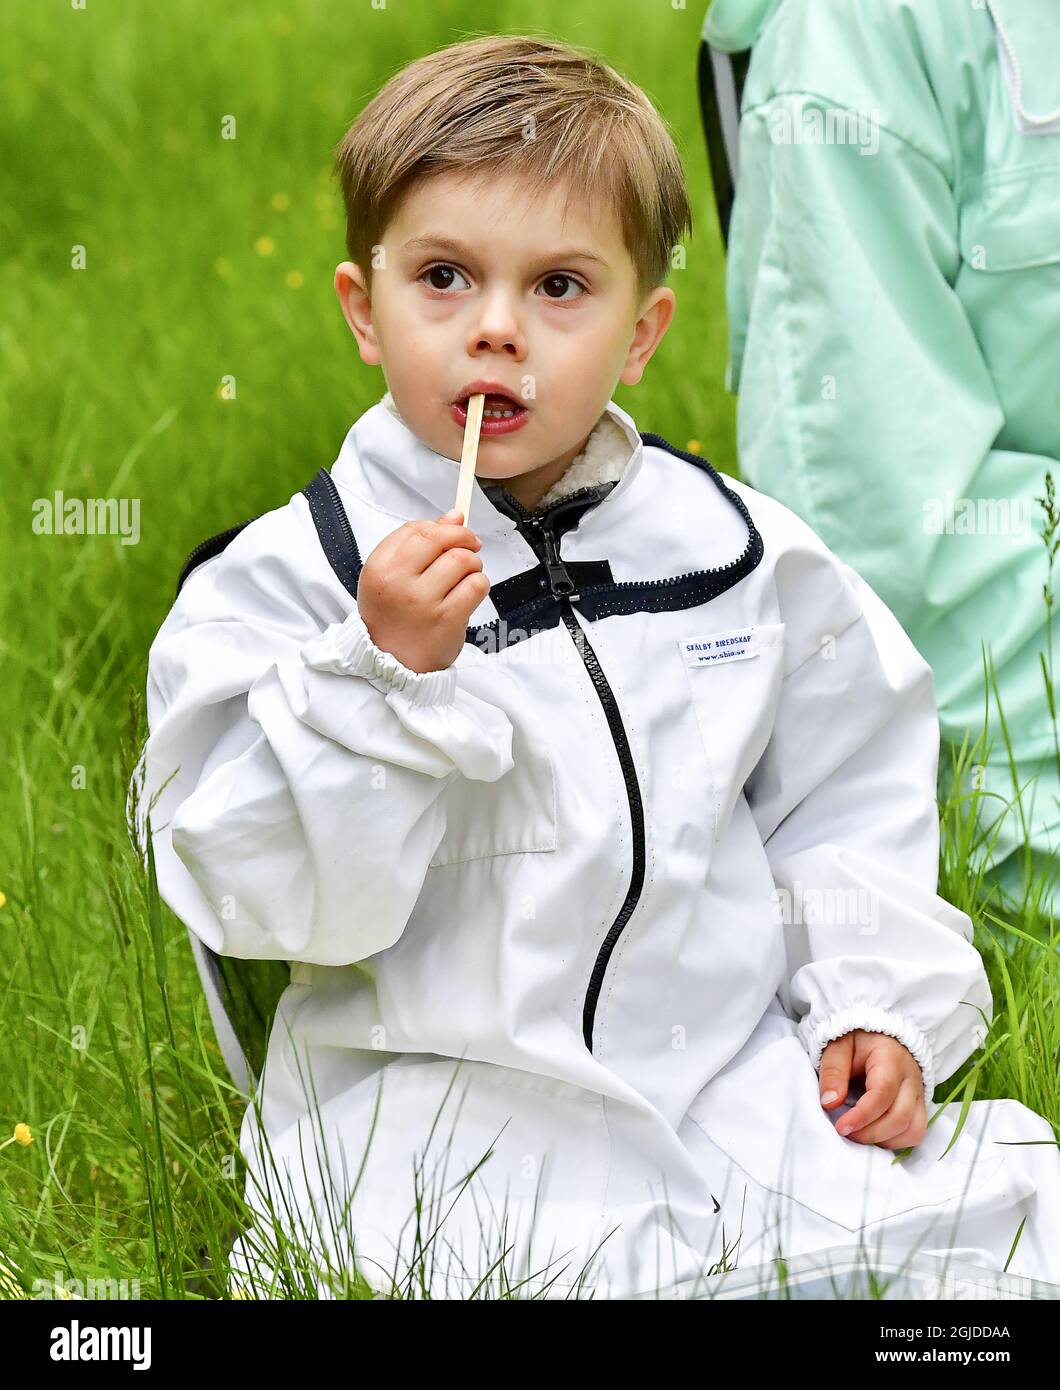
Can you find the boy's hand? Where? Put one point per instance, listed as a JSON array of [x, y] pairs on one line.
[[419, 587], [892, 1112]]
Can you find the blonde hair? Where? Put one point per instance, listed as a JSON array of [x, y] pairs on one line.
[[538, 109]]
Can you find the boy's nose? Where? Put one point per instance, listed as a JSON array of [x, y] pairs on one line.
[[512, 344], [498, 329]]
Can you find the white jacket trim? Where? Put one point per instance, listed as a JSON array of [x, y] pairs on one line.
[[347, 649]]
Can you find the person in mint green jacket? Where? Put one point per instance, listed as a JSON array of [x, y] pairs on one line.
[[894, 304]]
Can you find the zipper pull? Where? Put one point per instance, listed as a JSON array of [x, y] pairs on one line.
[[558, 576]]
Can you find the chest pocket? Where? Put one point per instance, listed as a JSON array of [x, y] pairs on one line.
[[516, 814], [734, 678]]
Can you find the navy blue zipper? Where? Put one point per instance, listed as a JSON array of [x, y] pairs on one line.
[[537, 530]]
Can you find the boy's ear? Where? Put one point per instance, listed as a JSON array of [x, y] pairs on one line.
[[654, 320], [356, 304]]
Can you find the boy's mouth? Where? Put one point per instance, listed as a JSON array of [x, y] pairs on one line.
[[501, 413]]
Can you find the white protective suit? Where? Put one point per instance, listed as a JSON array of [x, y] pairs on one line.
[[612, 880]]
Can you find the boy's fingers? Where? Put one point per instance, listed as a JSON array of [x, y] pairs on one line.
[[424, 541], [899, 1125], [882, 1090], [834, 1072], [466, 596], [447, 570], [914, 1132]]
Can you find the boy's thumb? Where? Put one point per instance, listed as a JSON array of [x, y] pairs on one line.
[[834, 1071]]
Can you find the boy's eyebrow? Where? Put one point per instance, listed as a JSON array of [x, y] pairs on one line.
[[455, 248]]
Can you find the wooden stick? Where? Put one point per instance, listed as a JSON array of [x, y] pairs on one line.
[[469, 454]]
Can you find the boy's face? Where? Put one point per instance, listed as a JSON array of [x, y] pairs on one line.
[[476, 282]]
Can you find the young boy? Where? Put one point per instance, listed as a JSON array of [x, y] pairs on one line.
[[610, 806]]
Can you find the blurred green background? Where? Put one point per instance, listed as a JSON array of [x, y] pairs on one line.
[[203, 258]]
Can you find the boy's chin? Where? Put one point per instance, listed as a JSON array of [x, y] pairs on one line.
[[485, 474]]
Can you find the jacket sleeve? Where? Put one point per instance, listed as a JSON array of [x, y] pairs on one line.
[[297, 774], [844, 797], [865, 402]]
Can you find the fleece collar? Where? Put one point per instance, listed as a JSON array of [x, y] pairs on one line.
[[393, 470]]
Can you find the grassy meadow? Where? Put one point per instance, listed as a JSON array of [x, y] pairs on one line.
[[143, 258]]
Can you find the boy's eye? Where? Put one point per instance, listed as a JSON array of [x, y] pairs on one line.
[[442, 271], [550, 282]]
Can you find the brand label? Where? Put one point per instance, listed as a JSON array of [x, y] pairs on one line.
[[715, 647]]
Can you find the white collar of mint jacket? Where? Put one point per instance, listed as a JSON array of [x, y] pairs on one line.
[[665, 827]]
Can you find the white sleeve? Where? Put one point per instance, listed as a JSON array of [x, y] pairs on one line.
[[297, 779], [844, 797]]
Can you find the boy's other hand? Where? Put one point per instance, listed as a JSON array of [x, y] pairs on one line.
[[419, 587], [892, 1112]]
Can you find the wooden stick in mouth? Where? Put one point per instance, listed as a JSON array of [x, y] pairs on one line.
[[469, 455]]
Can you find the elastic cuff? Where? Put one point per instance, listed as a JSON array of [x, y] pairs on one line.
[[816, 1034], [347, 649]]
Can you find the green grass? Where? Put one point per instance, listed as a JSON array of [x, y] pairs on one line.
[[109, 382]]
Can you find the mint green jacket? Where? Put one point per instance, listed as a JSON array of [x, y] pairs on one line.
[[894, 304]]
